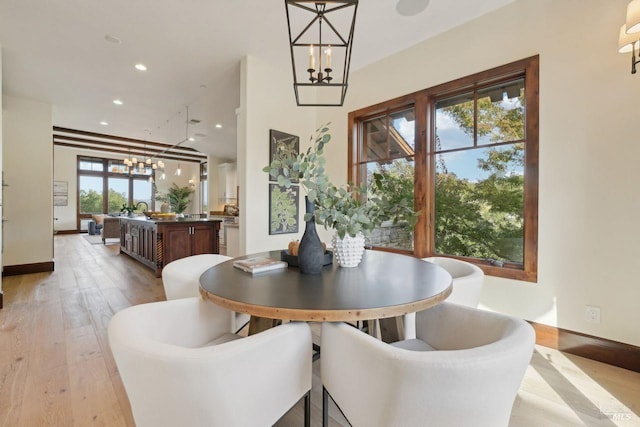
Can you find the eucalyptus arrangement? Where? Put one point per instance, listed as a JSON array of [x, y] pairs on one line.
[[351, 210], [348, 210]]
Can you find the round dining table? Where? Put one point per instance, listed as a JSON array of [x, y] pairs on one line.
[[384, 285]]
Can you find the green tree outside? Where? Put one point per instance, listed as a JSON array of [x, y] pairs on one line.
[[483, 219]]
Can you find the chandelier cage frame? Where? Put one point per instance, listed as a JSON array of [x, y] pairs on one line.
[[322, 13]]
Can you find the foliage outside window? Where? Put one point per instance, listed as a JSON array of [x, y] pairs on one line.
[[474, 171], [479, 166], [388, 148]]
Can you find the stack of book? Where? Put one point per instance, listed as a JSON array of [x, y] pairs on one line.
[[259, 264]]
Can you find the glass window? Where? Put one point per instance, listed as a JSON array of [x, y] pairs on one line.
[[475, 176], [479, 191], [91, 164], [204, 187], [389, 142], [123, 186], [142, 193], [90, 194], [118, 194]]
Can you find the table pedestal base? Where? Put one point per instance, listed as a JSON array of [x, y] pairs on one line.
[[259, 324]]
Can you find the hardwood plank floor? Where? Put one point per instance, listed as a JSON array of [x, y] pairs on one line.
[[56, 368]]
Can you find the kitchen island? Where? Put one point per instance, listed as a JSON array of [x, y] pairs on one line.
[[155, 243]]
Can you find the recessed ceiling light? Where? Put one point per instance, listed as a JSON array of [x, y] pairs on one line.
[[117, 102], [112, 39], [141, 67], [219, 126], [192, 139], [103, 123]]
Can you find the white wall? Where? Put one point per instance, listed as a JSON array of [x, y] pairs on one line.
[[266, 102], [65, 167], [28, 171], [589, 199], [1, 167]]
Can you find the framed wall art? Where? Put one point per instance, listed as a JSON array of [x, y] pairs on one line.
[[284, 210], [281, 146], [60, 193]]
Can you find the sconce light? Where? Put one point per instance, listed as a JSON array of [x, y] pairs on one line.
[[629, 38], [320, 55]]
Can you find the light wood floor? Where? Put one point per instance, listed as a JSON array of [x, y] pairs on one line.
[[56, 368]]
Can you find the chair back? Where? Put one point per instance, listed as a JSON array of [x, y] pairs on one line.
[[470, 378], [467, 280], [181, 278], [180, 366]]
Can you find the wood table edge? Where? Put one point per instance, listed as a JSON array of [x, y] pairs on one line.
[[326, 315]]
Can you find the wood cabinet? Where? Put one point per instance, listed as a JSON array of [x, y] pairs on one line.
[[194, 239], [157, 243], [138, 240]]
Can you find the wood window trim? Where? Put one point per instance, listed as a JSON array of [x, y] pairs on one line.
[[423, 101]]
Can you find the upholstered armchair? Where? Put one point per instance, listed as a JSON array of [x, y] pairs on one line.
[[181, 367], [468, 280], [181, 279], [463, 369], [109, 226]]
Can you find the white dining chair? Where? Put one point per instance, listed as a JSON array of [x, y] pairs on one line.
[[463, 369], [468, 280], [181, 367], [181, 279]]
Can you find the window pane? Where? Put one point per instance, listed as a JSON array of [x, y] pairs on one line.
[[398, 185], [480, 203], [402, 134], [90, 192], [117, 166], [374, 139], [118, 194], [501, 113], [454, 122], [204, 193], [142, 190], [91, 164]]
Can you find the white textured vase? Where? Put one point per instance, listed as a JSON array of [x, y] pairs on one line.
[[349, 250]]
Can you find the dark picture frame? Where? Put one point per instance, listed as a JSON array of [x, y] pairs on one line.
[[281, 146], [284, 209]]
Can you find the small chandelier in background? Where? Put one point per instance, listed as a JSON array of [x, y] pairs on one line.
[[320, 39], [629, 38]]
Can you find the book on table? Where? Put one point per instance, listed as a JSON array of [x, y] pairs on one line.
[[259, 264]]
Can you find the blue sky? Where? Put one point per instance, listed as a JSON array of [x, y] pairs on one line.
[[463, 163]]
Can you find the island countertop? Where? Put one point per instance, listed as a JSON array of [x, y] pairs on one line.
[[170, 221]]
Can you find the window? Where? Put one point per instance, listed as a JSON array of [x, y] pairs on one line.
[[104, 185], [467, 152], [388, 147], [204, 187]]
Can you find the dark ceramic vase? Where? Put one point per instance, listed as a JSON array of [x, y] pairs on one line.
[[310, 253]]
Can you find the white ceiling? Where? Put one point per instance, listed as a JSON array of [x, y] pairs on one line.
[[55, 51]]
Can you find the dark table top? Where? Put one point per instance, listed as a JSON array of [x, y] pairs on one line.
[[383, 285]]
